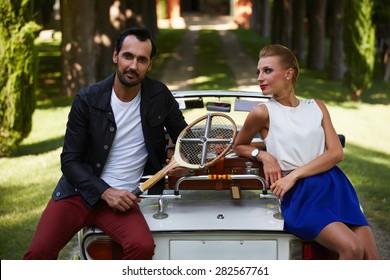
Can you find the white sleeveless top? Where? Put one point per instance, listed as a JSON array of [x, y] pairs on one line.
[[295, 134], [127, 158]]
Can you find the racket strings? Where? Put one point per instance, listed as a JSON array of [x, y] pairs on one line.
[[208, 139]]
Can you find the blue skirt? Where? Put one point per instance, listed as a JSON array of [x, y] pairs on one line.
[[316, 201]]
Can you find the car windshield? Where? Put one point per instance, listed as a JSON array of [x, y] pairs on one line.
[[235, 104]]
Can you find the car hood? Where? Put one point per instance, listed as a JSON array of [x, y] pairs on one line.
[[212, 210]]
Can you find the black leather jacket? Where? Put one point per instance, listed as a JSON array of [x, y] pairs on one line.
[[90, 133]]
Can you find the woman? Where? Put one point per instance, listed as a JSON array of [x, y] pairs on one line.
[[317, 200]]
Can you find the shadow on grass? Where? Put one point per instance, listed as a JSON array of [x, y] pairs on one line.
[[312, 84], [54, 102], [38, 148], [378, 94]]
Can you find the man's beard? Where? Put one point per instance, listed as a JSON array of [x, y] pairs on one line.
[[125, 82]]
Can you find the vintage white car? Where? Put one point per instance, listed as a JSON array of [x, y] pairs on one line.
[[222, 212]]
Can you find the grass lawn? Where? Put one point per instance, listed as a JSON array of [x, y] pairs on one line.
[[29, 175], [27, 180]]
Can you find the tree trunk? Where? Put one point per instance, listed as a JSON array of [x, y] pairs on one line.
[[260, 18], [78, 48], [255, 18], [149, 13], [337, 66], [298, 37], [316, 34], [142, 14], [277, 23], [108, 13], [287, 23], [386, 77], [386, 60], [265, 18], [88, 40]]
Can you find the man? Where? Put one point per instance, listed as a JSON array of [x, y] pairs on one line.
[[114, 135]]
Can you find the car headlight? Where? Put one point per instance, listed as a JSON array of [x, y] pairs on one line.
[[101, 248]]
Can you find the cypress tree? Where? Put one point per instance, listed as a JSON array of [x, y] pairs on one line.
[[359, 46], [17, 72]]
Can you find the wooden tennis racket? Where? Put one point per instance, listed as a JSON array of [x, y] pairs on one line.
[[201, 144]]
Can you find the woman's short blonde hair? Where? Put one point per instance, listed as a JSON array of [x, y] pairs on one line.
[[287, 57]]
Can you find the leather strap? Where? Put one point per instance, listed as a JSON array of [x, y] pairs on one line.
[[219, 167]]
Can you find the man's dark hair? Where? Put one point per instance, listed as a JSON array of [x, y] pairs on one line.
[[141, 34]]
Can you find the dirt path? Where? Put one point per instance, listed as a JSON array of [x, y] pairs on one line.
[[241, 64], [382, 241], [178, 72]]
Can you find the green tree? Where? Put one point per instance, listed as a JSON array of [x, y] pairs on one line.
[[381, 20], [17, 72], [359, 46], [316, 39]]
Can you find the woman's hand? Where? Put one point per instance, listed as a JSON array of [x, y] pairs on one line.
[[272, 171], [281, 186]]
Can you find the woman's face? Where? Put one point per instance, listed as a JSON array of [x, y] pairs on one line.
[[272, 76]]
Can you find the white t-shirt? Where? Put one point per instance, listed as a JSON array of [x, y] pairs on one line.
[[295, 134], [126, 161]]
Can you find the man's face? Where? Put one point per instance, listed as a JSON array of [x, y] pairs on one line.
[[133, 61]]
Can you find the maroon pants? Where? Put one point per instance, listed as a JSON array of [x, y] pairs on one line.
[[62, 219]]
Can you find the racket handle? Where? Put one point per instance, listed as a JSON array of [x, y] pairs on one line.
[[155, 178], [137, 191]]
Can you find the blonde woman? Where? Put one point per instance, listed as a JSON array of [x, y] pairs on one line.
[[318, 202]]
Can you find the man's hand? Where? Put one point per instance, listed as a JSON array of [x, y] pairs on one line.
[[121, 200]]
